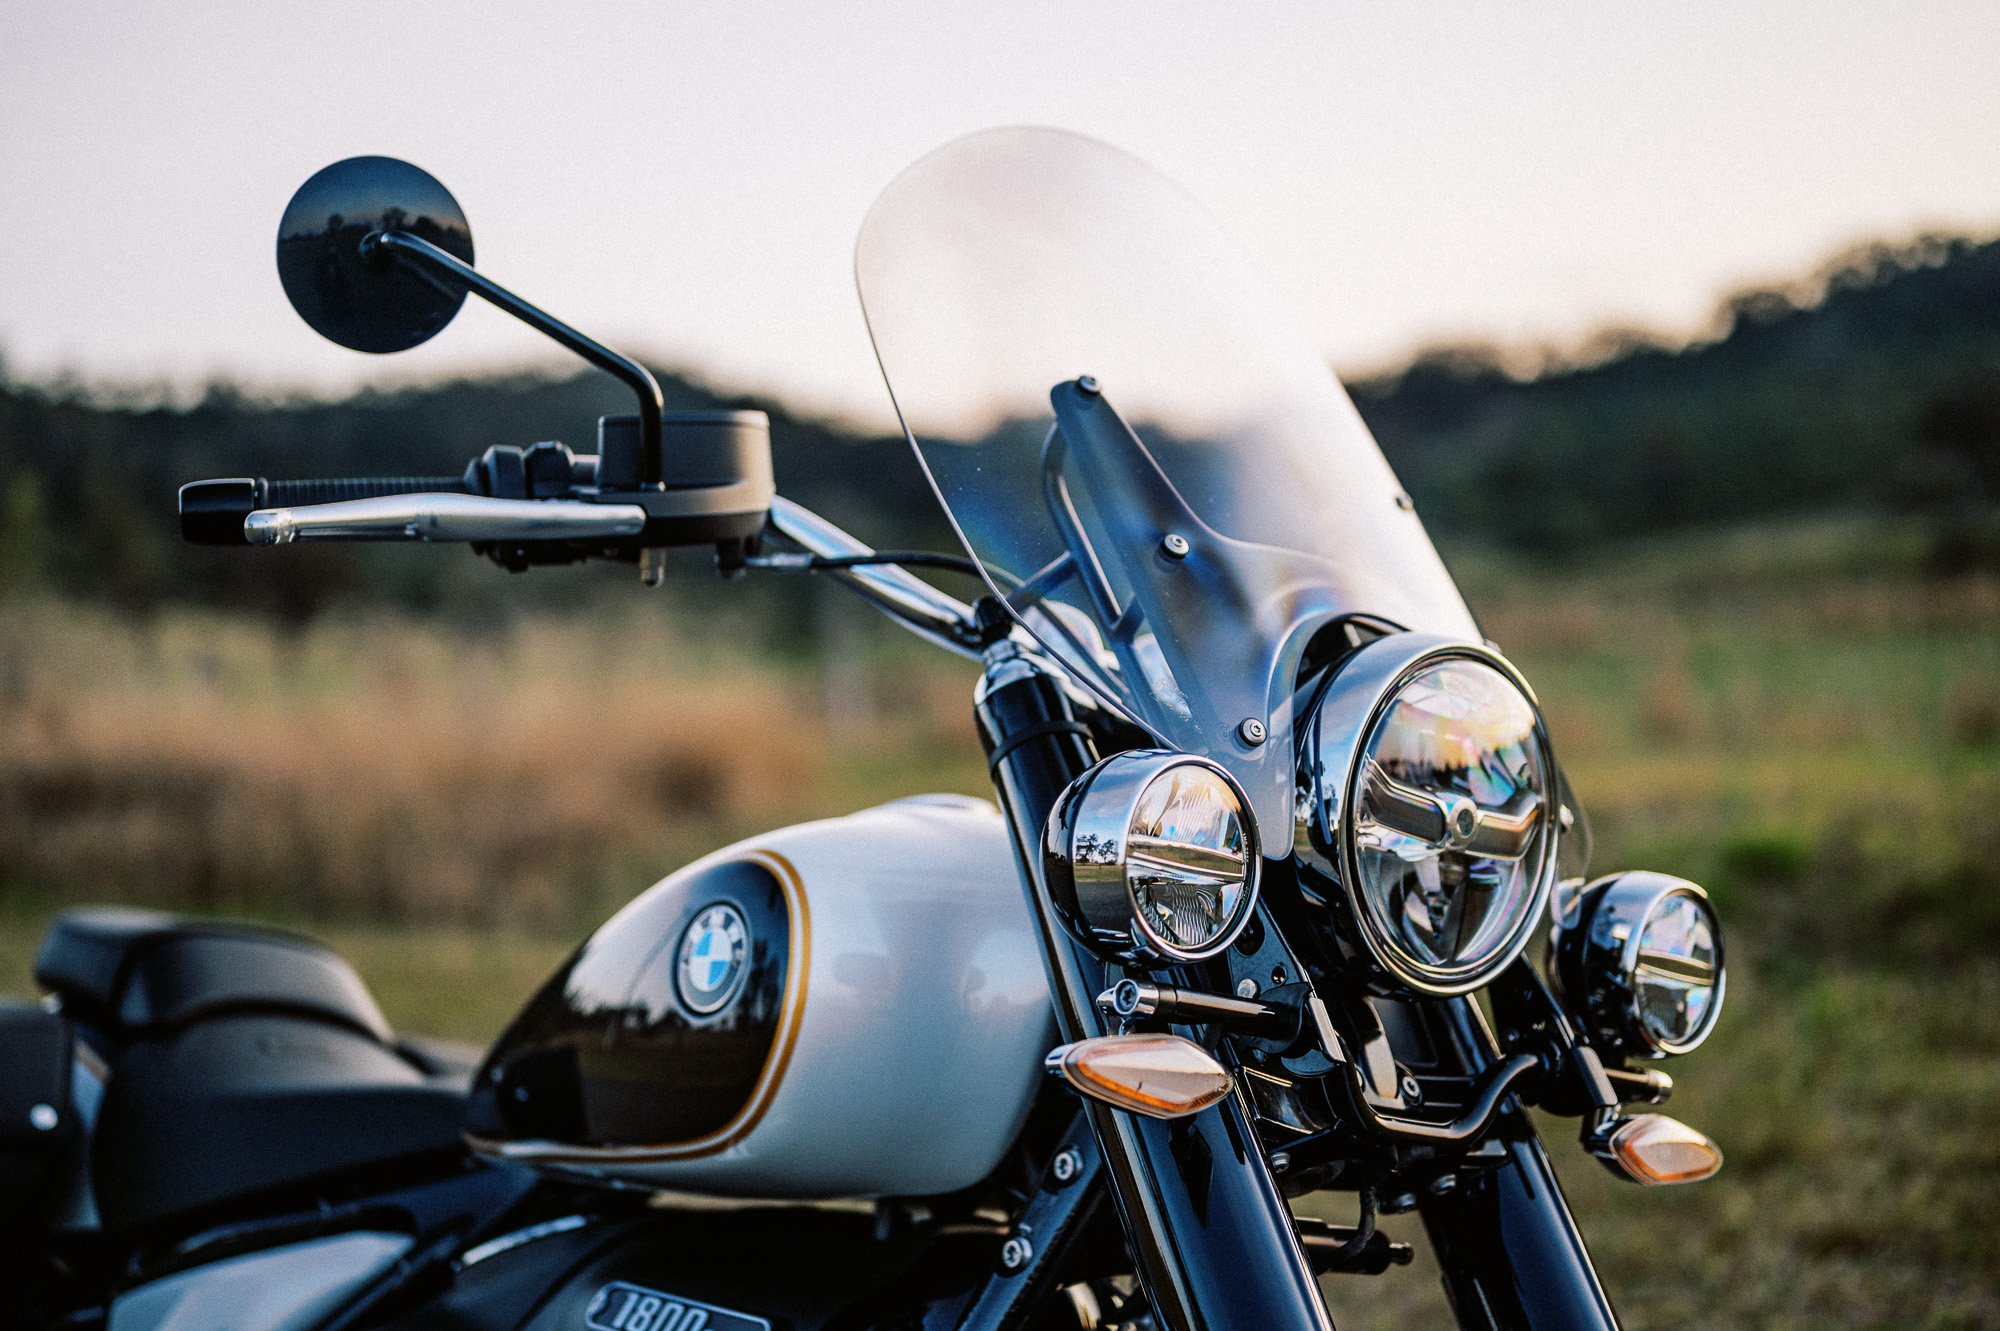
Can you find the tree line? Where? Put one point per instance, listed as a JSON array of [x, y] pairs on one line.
[[1876, 383]]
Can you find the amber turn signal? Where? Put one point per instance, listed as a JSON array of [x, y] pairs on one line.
[[1160, 1076], [1653, 1149]]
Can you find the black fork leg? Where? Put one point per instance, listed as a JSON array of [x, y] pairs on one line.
[[1212, 1239], [1512, 1257]]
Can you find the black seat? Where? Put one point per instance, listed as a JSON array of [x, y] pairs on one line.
[[134, 972], [242, 1060]]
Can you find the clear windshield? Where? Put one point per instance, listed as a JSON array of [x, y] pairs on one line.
[[1177, 524]]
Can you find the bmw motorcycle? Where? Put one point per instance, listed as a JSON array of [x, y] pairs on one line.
[[1270, 814]]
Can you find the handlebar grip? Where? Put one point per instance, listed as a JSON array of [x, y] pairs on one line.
[[291, 494], [212, 512]]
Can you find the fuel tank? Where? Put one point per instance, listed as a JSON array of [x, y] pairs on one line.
[[855, 1007]]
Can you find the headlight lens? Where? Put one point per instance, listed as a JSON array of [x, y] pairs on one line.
[[1639, 961], [1153, 855], [1430, 797]]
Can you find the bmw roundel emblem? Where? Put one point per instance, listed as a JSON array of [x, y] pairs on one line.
[[714, 956]]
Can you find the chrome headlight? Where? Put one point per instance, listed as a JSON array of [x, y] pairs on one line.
[[1427, 792], [1638, 960], [1153, 856]]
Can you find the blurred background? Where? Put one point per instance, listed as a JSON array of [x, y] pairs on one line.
[[1683, 330]]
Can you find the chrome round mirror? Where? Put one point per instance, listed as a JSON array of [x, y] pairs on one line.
[[368, 301], [1152, 856], [1641, 965]]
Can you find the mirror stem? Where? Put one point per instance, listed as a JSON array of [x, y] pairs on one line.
[[433, 262]]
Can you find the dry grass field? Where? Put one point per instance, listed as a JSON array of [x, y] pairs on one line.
[[1792, 716]]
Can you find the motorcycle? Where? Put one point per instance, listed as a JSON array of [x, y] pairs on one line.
[[1270, 815]]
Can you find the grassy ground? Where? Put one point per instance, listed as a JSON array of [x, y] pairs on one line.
[[1792, 716]]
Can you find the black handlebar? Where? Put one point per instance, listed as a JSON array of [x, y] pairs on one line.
[[212, 512]]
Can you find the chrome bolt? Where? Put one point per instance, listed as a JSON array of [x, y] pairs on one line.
[[43, 1117], [1246, 988], [1174, 545], [1280, 1162], [1252, 731], [1087, 385], [1014, 1253], [653, 565], [1067, 1165], [1411, 1091]]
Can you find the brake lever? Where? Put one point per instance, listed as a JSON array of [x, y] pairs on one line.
[[443, 517]]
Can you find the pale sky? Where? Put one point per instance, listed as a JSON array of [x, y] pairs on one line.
[[685, 181]]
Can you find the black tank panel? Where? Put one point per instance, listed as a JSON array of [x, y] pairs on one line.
[[610, 1053]]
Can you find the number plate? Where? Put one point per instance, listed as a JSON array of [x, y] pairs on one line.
[[622, 1307]]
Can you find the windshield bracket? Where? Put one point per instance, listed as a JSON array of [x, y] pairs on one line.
[[1043, 581], [1055, 492]]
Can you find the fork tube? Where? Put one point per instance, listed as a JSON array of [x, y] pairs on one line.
[[1512, 1257], [1211, 1238]]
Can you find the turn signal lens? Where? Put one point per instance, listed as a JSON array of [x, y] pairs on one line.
[[1160, 1076], [1653, 1148]]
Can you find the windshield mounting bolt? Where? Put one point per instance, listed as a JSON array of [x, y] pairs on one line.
[[1014, 1254], [1251, 731], [1087, 385], [1066, 1166], [1174, 545]]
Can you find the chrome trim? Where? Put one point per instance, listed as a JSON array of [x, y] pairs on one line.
[[515, 1238], [1336, 790], [1092, 845], [907, 598], [443, 517], [1449, 821]]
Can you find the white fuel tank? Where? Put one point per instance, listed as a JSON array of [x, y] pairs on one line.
[[855, 1007]]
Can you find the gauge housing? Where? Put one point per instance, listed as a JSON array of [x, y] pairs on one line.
[[1152, 857], [1638, 960], [1428, 794]]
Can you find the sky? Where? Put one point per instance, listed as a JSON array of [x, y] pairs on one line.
[[685, 180]]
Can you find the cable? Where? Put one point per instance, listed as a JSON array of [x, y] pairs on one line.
[[920, 558]]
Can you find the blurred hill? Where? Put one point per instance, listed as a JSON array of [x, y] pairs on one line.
[[1874, 383]]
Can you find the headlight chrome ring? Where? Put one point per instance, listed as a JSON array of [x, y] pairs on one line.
[[1428, 792], [1153, 856], [1638, 958]]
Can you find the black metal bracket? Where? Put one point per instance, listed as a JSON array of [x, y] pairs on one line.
[[1488, 1091], [1532, 1020], [438, 267], [1035, 1245]]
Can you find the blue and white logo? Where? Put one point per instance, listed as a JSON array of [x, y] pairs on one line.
[[714, 956]]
